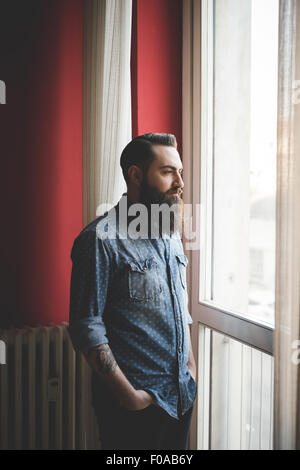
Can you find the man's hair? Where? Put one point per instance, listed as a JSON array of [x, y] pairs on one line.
[[139, 151]]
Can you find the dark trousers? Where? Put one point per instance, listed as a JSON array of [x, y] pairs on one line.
[[150, 428]]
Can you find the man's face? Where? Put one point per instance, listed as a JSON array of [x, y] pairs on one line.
[[163, 182]]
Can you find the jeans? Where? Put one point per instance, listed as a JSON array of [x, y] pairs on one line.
[[150, 428]]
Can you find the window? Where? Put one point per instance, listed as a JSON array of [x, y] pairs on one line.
[[235, 406], [229, 151], [239, 124]]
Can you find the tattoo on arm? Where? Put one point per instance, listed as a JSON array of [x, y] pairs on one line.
[[104, 361]]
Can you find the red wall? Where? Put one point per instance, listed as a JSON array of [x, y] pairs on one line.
[[41, 140], [156, 61], [41, 158]]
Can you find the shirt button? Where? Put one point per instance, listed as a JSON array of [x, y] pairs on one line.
[[179, 349]]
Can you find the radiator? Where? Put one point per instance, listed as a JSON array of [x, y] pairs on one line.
[[45, 392]]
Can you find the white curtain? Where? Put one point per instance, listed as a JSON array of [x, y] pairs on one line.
[[287, 323], [106, 101]]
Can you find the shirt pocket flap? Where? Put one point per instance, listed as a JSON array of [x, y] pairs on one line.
[[142, 266]]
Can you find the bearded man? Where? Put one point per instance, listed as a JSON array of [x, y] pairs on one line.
[[129, 308]]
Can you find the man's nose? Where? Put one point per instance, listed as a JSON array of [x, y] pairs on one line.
[[179, 181]]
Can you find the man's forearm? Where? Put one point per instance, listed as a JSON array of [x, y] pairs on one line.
[[102, 360]]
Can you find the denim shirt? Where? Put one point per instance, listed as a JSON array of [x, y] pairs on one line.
[[132, 294]]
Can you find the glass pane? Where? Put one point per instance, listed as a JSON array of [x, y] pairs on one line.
[[243, 180], [241, 396]]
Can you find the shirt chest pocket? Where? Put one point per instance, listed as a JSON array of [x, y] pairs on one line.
[[182, 264], [143, 280]]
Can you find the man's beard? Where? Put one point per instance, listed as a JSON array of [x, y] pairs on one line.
[[167, 222]]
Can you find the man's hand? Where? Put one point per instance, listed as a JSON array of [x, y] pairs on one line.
[[193, 372], [139, 400]]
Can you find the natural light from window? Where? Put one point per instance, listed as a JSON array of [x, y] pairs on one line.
[[240, 186]]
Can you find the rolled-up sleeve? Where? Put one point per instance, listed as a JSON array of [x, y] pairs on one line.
[[88, 291]]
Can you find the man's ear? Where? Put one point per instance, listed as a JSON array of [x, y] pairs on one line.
[[135, 175]]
